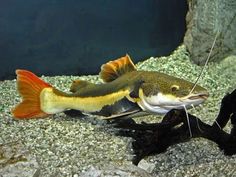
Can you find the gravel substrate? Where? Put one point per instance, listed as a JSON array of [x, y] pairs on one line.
[[64, 146]]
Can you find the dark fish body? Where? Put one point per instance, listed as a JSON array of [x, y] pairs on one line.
[[125, 91]]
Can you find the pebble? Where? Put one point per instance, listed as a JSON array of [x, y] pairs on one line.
[[69, 147], [147, 166]]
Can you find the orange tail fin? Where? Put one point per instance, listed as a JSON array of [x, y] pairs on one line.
[[29, 87]]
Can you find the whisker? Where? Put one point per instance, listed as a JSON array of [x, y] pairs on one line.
[[198, 126], [193, 107], [207, 60], [218, 124], [190, 131]]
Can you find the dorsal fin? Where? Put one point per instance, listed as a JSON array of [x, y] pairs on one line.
[[114, 69], [79, 84]]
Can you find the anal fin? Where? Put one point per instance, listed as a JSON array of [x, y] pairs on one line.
[[119, 109]]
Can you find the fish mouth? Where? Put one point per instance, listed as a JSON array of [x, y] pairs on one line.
[[203, 95]]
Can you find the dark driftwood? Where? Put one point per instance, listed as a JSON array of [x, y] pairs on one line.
[[156, 138]]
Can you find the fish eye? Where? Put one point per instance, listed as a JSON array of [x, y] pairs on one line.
[[174, 88]]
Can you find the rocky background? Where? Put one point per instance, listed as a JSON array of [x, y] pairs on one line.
[[61, 146], [206, 19]]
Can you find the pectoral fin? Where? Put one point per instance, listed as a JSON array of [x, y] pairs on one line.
[[121, 108], [114, 69], [118, 109], [134, 94]]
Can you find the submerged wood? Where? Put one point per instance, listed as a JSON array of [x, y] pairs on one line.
[[155, 138]]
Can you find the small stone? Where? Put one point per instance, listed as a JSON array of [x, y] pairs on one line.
[[113, 170], [16, 161], [147, 166], [91, 172]]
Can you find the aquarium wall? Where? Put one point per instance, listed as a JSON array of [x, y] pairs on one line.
[[71, 37]]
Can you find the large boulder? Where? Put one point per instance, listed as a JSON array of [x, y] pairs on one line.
[[16, 161], [205, 19]]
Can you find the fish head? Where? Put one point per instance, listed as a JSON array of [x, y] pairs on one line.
[[171, 93]]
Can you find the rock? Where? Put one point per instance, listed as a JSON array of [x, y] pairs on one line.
[[15, 161], [92, 172], [149, 167], [204, 20], [111, 170]]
